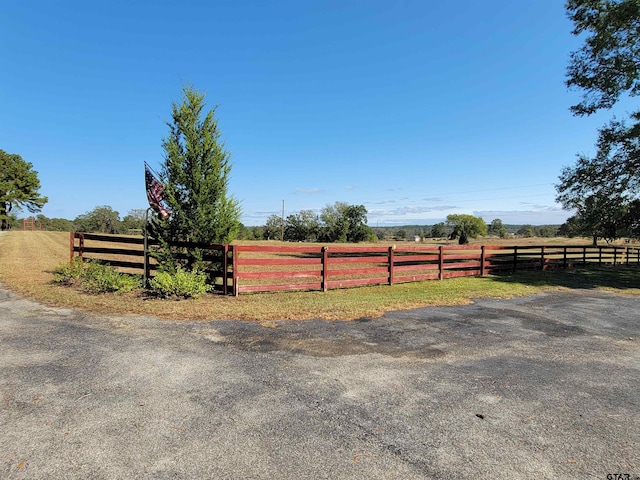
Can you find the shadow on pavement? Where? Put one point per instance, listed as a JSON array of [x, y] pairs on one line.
[[619, 277]]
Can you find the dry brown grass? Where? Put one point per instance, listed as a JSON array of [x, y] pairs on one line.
[[27, 261]]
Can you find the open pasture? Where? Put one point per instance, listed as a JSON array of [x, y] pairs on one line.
[[27, 260]]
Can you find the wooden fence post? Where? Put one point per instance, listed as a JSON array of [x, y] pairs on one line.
[[440, 263], [325, 271], [482, 259], [515, 259], [564, 257], [236, 277], [225, 268], [72, 242], [542, 265], [81, 246], [584, 256], [391, 260], [615, 256]]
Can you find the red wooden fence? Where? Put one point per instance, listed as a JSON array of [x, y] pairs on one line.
[[260, 268], [127, 254], [264, 268]]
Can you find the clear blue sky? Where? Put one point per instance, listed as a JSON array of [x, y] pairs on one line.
[[415, 108]]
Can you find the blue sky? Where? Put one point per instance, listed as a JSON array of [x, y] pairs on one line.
[[416, 109]]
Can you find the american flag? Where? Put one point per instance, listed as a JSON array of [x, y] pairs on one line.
[[154, 192]]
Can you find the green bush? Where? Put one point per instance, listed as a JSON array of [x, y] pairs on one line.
[[69, 274], [99, 278], [182, 283], [94, 277]]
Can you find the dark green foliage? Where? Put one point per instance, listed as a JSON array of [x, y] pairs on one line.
[[182, 283], [608, 63], [250, 233], [342, 223], [603, 217], [356, 218], [602, 190], [69, 274], [195, 171], [497, 228], [438, 230], [55, 224], [273, 228], [133, 221], [334, 223], [19, 185], [465, 227], [13, 221], [102, 219], [546, 231], [302, 227], [526, 231], [94, 277]]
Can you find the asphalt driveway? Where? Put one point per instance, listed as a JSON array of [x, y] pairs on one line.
[[543, 387]]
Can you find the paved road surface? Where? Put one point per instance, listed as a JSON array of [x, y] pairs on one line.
[[544, 387]]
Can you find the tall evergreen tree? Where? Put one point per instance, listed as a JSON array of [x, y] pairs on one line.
[[195, 171], [19, 185]]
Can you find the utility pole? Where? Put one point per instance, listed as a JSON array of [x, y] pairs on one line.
[[282, 223]]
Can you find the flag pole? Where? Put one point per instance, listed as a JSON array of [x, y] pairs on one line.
[[146, 248]]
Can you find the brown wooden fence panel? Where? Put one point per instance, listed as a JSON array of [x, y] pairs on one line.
[[464, 273], [417, 278], [261, 268], [109, 249]]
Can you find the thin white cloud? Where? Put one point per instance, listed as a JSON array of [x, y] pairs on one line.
[[540, 215], [309, 190], [410, 210], [350, 187]]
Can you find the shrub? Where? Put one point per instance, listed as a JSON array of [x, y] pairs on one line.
[[69, 274], [94, 277], [99, 278], [182, 283]]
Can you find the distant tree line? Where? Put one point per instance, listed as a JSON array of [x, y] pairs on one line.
[[339, 222]]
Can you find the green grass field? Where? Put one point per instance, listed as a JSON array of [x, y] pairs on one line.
[[27, 260]]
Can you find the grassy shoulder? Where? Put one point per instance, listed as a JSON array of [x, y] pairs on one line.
[[27, 261]]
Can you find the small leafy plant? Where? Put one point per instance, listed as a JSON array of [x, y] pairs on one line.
[[94, 277], [69, 274], [182, 283]]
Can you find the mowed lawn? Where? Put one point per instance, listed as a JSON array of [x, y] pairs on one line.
[[27, 261]]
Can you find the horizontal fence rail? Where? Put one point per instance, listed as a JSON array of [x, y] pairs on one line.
[[268, 268], [128, 256]]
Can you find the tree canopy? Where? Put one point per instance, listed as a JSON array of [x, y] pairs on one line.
[[19, 187], [196, 172], [342, 222], [102, 219], [466, 227], [606, 68], [339, 222], [497, 228], [608, 63], [273, 228], [438, 230], [302, 227]]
